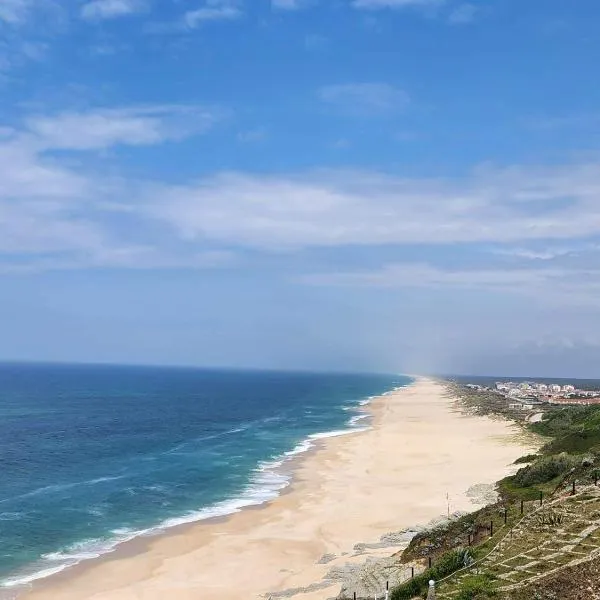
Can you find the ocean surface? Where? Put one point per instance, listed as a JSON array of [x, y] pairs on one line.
[[91, 456]]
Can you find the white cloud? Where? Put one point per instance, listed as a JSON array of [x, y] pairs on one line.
[[52, 217], [546, 285], [137, 126], [250, 136], [14, 12], [25, 175], [213, 10], [98, 10], [49, 203], [290, 4], [429, 276], [395, 4], [366, 99], [463, 14], [545, 254], [54, 214], [336, 208]]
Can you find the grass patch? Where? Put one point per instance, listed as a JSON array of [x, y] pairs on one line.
[[477, 587]]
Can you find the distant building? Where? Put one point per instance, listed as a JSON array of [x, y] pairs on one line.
[[568, 388], [542, 387], [555, 388]]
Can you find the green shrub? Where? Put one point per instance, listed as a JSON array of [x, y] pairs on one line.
[[576, 442], [529, 458], [544, 469], [447, 564], [410, 589]]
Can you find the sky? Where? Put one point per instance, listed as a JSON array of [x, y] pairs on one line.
[[379, 185]]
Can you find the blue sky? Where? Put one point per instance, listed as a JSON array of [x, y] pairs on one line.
[[396, 185]]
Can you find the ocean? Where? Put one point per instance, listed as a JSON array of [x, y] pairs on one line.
[[92, 456]]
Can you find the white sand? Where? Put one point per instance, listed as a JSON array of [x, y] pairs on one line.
[[353, 489]]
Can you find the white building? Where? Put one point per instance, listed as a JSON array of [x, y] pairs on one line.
[[568, 388], [542, 387], [555, 388]]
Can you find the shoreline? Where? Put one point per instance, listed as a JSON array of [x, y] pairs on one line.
[[281, 467], [341, 493]]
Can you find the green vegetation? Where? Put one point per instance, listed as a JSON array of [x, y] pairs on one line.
[[571, 453], [536, 539], [528, 458], [575, 430], [485, 403], [477, 587], [447, 564], [544, 469]]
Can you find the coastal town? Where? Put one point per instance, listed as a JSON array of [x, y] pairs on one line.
[[529, 394]]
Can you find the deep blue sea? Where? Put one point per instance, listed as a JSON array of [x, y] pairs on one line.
[[91, 456]]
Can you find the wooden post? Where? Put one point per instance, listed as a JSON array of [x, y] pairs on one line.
[[412, 572], [491, 528], [521, 506], [354, 595], [470, 539], [595, 477], [430, 562], [573, 491], [387, 585], [541, 498], [505, 516]]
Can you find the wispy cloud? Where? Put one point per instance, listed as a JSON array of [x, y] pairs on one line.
[[548, 285], [334, 208], [50, 205], [544, 254], [15, 12], [98, 10], [252, 136], [290, 4], [365, 99], [425, 275], [135, 126], [396, 4], [463, 14], [213, 10]]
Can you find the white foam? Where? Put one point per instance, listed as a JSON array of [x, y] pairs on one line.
[[25, 579], [356, 418], [265, 485], [329, 434]]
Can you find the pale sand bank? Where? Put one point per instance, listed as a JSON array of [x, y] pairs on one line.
[[353, 489]]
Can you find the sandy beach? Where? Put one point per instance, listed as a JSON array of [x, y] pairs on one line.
[[420, 453]]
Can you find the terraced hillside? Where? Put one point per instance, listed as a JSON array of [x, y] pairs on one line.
[[562, 533]]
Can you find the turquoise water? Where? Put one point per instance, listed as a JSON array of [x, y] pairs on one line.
[[91, 456]]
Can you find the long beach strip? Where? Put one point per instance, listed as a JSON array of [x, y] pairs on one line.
[[415, 463]]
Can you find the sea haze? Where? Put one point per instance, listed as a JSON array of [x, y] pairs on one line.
[[91, 456]]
